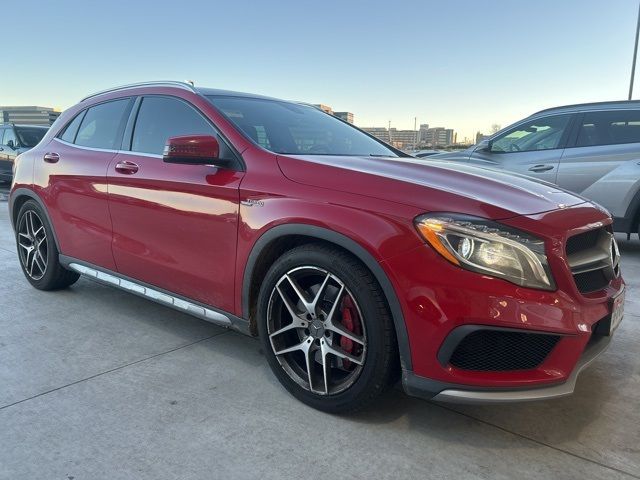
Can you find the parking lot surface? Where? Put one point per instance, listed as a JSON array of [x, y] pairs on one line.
[[97, 383]]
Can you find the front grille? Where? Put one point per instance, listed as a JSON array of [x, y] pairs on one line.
[[591, 281], [498, 350], [589, 259], [583, 241]]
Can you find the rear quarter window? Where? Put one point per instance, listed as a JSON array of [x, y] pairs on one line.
[[70, 131]]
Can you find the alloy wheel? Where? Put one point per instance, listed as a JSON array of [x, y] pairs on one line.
[[33, 245], [316, 330]]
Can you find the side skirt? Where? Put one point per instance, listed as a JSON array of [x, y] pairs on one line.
[[158, 295]]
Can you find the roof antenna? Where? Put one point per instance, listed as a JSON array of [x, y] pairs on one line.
[[190, 82]]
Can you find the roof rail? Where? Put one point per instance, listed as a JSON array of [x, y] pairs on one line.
[[167, 83], [589, 104]]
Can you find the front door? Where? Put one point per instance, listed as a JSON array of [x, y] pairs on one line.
[[174, 226], [532, 148]]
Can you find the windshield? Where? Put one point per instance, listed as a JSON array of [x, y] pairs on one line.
[[30, 136], [291, 128]]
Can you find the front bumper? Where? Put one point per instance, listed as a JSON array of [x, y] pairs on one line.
[[422, 387], [439, 299]]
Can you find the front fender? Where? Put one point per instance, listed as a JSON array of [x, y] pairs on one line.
[[370, 237]]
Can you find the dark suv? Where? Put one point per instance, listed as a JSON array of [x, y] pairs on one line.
[[14, 140], [353, 262]]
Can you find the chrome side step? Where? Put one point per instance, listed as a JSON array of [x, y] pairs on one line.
[[155, 295]]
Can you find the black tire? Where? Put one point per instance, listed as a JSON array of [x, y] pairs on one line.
[[380, 366], [53, 276]]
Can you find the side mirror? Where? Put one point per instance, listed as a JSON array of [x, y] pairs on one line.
[[484, 146], [11, 145], [193, 150]]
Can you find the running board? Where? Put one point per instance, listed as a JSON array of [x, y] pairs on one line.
[[162, 298]]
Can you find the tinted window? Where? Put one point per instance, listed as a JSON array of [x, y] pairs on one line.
[[285, 127], [540, 134], [30, 136], [101, 124], [160, 118], [69, 134], [608, 128]]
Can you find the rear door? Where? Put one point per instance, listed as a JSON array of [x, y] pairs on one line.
[[73, 180], [601, 162], [533, 147], [175, 226]]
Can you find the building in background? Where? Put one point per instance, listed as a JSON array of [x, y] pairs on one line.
[[324, 108], [404, 139], [380, 133], [435, 136], [29, 115], [346, 116]]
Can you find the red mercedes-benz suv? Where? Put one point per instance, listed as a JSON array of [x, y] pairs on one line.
[[353, 262]]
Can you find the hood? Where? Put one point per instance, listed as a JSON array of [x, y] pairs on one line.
[[430, 186]]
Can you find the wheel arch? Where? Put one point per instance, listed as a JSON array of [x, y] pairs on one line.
[[279, 239], [18, 198]]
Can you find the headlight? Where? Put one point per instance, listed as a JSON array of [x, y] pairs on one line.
[[488, 247]]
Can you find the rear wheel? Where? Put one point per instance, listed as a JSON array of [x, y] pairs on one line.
[[39, 256], [326, 329]]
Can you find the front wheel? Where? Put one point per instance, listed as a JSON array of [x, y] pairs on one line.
[[326, 329]]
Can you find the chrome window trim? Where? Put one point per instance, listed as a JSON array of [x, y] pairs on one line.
[[93, 149], [125, 152]]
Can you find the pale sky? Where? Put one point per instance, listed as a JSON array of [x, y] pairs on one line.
[[460, 64]]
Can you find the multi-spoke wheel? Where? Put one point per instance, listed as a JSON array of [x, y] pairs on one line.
[[37, 250], [325, 326], [32, 245], [315, 330]]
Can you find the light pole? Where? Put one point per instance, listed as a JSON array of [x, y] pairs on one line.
[[635, 55]]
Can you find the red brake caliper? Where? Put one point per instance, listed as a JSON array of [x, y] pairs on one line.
[[351, 322]]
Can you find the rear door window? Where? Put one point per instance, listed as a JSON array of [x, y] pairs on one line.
[[102, 125], [609, 128]]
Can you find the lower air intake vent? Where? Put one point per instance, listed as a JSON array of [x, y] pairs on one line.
[[497, 350]]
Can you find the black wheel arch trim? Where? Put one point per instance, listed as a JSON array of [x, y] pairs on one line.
[[26, 192], [351, 246]]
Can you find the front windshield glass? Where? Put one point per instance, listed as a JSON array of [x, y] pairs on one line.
[[291, 128], [30, 136]]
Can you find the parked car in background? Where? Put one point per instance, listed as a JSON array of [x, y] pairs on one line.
[[592, 149], [354, 263], [14, 140]]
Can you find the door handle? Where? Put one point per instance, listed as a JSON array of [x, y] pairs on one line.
[[541, 168], [126, 167], [51, 157]]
